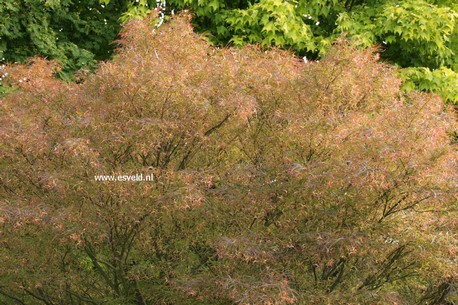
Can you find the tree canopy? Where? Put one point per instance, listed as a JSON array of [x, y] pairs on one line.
[[77, 33], [274, 181]]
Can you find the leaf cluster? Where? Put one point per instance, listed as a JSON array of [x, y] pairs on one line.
[[77, 33]]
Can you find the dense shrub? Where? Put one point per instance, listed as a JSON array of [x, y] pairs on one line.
[[275, 181]]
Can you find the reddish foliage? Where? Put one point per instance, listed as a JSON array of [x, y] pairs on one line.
[[274, 182]]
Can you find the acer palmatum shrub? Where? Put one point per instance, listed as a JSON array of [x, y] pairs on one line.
[[260, 179]]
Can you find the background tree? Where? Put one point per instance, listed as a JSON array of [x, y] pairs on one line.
[[77, 33]]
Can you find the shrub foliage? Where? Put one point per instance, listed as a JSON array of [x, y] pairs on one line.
[[420, 35], [275, 181]]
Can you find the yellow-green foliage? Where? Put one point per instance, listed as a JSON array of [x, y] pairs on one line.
[[442, 81], [275, 181]]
